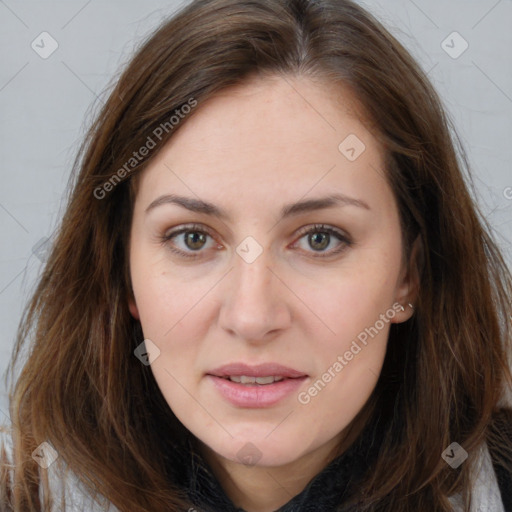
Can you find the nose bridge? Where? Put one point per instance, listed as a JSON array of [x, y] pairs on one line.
[[254, 304], [254, 280]]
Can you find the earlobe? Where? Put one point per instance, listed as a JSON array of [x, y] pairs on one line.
[[133, 309], [403, 311]]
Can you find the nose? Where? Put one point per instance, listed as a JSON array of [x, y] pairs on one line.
[[255, 304]]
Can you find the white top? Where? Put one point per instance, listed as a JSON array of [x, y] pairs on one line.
[[486, 493]]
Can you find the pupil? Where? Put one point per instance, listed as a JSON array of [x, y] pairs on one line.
[[194, 240], [322, 239]]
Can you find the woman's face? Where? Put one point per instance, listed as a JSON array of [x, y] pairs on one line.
[[265, 233]]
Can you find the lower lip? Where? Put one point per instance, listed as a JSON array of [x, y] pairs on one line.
[[254, 396]]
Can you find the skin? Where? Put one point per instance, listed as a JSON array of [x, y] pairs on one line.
[[250, 150]]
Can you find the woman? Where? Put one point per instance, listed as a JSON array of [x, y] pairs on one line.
[[271, 289]]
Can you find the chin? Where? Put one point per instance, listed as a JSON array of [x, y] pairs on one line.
[[257, 451]]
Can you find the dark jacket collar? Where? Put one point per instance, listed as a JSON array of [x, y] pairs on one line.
[[326, 491]]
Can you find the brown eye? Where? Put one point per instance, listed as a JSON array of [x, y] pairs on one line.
[[189, 241], [322, 241], [195, 240], [319, 240]]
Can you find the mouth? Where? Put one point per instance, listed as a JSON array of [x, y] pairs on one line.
[[249, 381], [248, 386], [261, 373]]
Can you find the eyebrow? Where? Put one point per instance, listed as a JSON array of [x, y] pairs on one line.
[[289, 210]]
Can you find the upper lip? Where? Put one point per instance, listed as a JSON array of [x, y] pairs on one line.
[[260, 370]]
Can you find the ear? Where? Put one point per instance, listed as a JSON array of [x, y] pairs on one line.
[[408, 286], [132, 306]]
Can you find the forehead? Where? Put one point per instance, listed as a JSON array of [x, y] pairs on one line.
[[288, 132], [268, 113]]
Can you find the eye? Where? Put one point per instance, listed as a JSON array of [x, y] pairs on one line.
[[320, 237], [189, 240]]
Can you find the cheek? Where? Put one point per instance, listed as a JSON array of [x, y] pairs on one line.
[[175, 314], [348, 301], [164, 300], [348, 370], [355, 308], [176, 323]]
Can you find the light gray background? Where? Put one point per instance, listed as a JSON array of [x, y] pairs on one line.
[[46, 105]]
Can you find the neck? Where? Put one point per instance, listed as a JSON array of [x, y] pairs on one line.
[[267, 488]]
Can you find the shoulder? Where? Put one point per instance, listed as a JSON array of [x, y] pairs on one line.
[[65, 485], [486, 495], [68, 493]]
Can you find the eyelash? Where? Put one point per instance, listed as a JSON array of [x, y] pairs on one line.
[[346, 242]]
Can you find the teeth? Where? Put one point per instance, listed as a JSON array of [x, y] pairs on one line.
[[244, 379]]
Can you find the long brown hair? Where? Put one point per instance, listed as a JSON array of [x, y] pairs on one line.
[[447, 369]]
